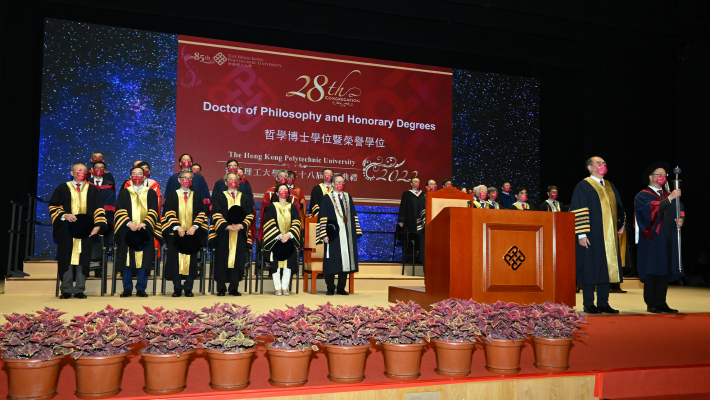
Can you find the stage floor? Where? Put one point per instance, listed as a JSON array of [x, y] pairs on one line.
[[686, 299], [624, 356]]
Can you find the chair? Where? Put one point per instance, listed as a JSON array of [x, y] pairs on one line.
[[313, 257], [298, 269]]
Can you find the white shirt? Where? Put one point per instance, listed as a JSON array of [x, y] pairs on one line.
[[183, 195], [75, 184], [656, 191], [97, 181], [521, 204]]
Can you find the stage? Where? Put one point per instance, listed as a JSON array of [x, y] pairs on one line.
[[634, 354]]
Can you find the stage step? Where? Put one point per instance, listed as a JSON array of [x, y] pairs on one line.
[[632, 283], [372, 278]]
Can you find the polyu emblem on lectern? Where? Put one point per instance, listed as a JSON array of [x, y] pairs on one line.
[[514, 258]]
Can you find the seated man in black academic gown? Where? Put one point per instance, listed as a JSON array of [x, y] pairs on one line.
[[197, 168], [506, 198], [244, 186], [551, 204], [521, 198], [480, 194], [103, 180], [199, 185], [492, 196], [446, 183]]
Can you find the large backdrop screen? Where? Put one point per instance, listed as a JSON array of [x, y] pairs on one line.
[[139, 95]]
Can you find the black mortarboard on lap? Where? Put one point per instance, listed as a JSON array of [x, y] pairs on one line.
[[282, 251], [236, 215], [187, 244], [653, 167], [82, 227], [331, 229], [138, 240]]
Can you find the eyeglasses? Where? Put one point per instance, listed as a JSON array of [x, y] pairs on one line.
[[189, 179], [136, 174], [600, 163], [659, 174]]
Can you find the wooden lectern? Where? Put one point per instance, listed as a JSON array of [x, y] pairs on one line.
[[491, 255]]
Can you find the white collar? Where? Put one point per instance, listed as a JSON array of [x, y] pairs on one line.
[[184, 190], [75, 182], [230, 190], [550, 199], [595, 178], [654, 189], [522, 204], [416, 193], [137, 189]]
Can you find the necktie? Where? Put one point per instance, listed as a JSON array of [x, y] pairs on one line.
[[340, 198], [554, 203], [233, 198], [601, 182], [78, 187], [185, 194]]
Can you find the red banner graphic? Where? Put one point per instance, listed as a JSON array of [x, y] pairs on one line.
[[378, 123]]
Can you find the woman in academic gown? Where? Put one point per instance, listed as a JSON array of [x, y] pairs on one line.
[[282, 223], [228, 239]]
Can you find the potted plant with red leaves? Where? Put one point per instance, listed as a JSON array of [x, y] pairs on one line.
[[404, 330], [170, 338], [456, 330], [504, 327], [230, 338], [295, 335], [347, 331], [553, 327], [32, 347], [100, 342]]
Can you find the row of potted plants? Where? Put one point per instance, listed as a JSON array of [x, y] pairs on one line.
[[33, 345]]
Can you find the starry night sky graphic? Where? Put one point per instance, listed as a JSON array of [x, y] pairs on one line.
[[114, 90], [107, 89], [496, 131]]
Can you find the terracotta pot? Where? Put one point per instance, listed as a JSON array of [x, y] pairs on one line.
[[346, 364], [165, 373], [503, 356], [403, 361], [288, 368], [453, 359], [552, 354], [230, 370], [99, 377], [32, 379]]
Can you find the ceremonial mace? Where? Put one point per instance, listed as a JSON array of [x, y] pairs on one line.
[[676, 181]]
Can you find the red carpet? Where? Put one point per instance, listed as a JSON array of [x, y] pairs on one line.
[[632, 356]]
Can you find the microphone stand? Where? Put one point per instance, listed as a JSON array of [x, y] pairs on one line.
[[676, 182]]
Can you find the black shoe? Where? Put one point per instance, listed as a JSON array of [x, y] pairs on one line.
[[141, 293], [342, 292], [591, 309], [319, 276], [80, 295], [65, 296], [329, 293], [188, 293], [222, 292], [617, 290], [235, 293], [607, 310], [177, 293], [127, 293], [653, 310], [667, 309]]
